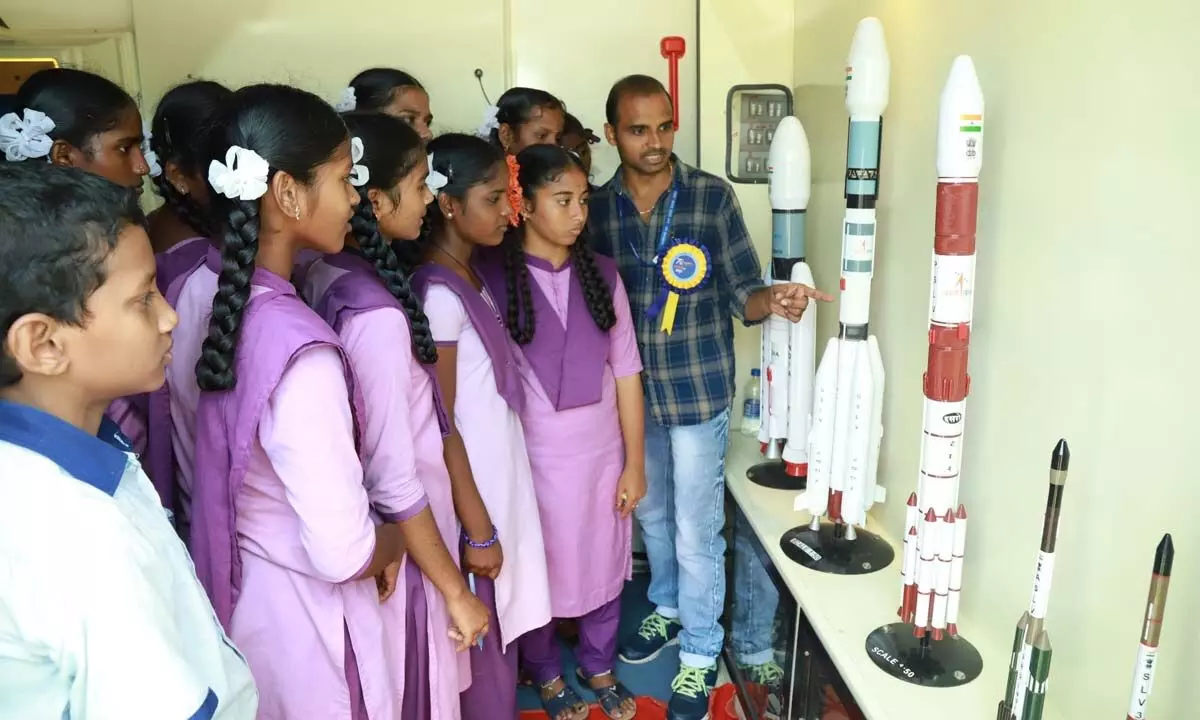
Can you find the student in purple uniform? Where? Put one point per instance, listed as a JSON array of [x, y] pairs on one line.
[[362, 293], [579, 140], [179, 138], [77, 119], [583, 418], [179, 233], [283, 533], [396, 93], [482, 392], [101, 614], [522, 117]]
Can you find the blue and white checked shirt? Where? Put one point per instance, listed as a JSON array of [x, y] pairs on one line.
[[689, 374]]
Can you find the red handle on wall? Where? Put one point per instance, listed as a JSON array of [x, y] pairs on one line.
[[673, 48]]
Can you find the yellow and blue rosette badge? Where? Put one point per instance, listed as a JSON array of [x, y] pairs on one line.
[[685, 268]]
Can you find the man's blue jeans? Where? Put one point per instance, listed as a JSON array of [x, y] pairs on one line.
[[755, 599], [682, 517]]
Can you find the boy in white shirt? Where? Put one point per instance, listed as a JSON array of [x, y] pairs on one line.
[[101, 614]]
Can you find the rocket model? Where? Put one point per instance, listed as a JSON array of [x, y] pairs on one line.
[[788, 349], [1029, 667], [843, 446], [935, 526], [1156, 604]]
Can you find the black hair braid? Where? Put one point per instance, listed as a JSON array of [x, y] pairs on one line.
[[379, 253], [410, 253], [183, 206], [520, 295], [215, 370], [595, 289]]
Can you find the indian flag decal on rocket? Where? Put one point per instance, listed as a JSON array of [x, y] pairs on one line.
[[970, 123]]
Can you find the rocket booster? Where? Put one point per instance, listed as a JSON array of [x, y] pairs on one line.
[[789, 349], [1156, 605], [848, 403], [1023, 668], [946, 384]]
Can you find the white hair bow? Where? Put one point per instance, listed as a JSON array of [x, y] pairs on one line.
[[243, 175], [490, 121], [22, 138], [349, 101], [359, 174], [435, 181], [151, 156]]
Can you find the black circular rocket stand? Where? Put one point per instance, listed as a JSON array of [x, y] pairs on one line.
[[773, 474], [945, 663], [827, 550]]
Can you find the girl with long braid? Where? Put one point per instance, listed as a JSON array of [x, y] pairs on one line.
[[483, 396], [179, 138], [180, 232], [284, 537], [568, 314], [362, 293]]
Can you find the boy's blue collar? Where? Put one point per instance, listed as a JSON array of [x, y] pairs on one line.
[[98, 461]]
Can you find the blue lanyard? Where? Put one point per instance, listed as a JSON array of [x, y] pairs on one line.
[[663, 237]]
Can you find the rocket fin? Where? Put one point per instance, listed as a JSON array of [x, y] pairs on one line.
[[820, 439], [873, 492]]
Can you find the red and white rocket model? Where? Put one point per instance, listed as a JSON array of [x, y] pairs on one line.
[[936, 524], [843, 447], [788, 349]]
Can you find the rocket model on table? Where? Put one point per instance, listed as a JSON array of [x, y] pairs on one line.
[[935, 525], [847, 415], [788, 349], [1029, 667], [1156, 605]]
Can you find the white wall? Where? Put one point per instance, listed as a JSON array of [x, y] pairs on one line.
[[320, 46], [59, 15], [578, 56], [742, 43]]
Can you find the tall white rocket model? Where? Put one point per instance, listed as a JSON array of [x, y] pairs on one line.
[[935, 539], [935, 527], [788, 349], [843, 449]]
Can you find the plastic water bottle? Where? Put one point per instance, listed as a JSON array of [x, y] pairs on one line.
[[752, 405]]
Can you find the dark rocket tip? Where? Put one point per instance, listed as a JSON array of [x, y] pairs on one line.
[[1061, 457], [1164, 556]]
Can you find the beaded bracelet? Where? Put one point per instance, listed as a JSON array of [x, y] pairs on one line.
[[483, 545]]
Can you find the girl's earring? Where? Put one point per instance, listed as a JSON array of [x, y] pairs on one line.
[[296, 214], [449, 216]]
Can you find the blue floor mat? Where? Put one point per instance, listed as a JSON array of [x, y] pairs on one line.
[[652, 679]]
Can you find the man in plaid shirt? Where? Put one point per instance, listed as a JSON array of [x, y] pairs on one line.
[[651, 200]]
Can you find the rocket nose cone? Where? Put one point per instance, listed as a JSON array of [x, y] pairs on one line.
[[868, 39], [963, 83], [789, 131], [1060, 459], [868, 70], [960, 123], [789, 167], [1164, 556]]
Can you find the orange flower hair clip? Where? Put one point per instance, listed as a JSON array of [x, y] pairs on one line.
[[515, 196]]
